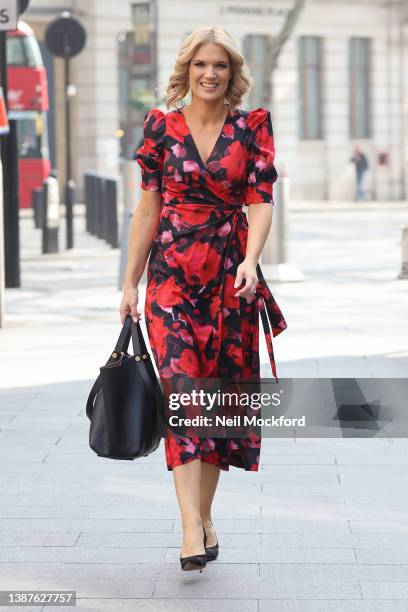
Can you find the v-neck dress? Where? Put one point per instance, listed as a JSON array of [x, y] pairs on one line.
[[196, 327]]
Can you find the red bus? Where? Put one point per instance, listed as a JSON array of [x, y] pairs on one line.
[[28, 104]]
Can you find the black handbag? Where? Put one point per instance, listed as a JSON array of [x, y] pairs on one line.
[[125, 401]]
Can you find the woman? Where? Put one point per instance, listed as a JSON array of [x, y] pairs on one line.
[[200, 164]]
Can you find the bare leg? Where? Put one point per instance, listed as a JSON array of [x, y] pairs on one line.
[[209, 479], [187, 480]]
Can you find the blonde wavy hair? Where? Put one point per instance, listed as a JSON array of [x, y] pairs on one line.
[[240, 83]]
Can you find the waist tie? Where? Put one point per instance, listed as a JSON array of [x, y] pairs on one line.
[[272, 318], [273, 321]]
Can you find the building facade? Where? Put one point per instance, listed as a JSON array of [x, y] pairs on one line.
[[340, 81]]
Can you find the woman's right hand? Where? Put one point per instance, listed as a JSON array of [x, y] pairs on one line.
[[128, 304]]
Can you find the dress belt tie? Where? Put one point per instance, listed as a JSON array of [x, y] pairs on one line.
[[272, 318], [273, 321]]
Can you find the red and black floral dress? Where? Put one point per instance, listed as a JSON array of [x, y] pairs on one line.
[[196, 327]]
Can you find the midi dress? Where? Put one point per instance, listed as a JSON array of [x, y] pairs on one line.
[[195, 325]]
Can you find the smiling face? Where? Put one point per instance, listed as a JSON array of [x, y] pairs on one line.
[[209, 72]]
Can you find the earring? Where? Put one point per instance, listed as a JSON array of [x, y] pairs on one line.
[[226, 101]]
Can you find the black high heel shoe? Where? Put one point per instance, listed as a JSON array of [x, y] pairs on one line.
[[211, 552], [194, 562]]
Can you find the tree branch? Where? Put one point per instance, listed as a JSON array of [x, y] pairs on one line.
[[274, 46]]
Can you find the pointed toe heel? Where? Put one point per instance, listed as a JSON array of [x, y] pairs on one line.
[[194, 562]]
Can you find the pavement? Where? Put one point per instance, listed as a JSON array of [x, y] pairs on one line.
[[321, 527]]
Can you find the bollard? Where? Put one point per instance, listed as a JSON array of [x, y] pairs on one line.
[[275, 255], [69, 212], [99, 206], [51, 215], [279, 244], [104, 210], [131, 182], [88, 188], [111, 196], [94, 207], [88, 201], [404, 248], [37, 202]]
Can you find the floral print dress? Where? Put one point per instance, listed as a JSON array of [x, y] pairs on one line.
[[196, 327]]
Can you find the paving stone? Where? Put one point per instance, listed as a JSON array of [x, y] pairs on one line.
[[14, 576], [394, 555], [210, 585], [38, 539], [385, 590], [397, 524], [327, 539], [306, 588], [76, 554], [349, 572]]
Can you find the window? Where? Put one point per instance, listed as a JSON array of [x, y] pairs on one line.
[[23, 51], [309, 87], [359, 88], [32, 134], [15, 51], [254, 48]]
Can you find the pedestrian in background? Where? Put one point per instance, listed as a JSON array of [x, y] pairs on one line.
[[361, 164]]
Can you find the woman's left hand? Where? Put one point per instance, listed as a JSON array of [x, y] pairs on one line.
[[246, 271]]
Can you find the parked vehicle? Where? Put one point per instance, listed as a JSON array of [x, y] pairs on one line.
[[28, 104]]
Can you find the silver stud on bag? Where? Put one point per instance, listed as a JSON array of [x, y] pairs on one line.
[[114, 355], [137, 357], [144, 356]]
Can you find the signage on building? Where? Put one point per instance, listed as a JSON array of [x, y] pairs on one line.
[[8, 15], [254, 11]]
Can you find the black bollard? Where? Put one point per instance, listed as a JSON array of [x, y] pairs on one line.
[[87, 184], [99, 206], [104, 210], [69, 212], [111, 194], [37, 202], [51, 215]]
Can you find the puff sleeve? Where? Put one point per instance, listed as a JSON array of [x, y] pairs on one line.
[[261, 173], [150, 155]]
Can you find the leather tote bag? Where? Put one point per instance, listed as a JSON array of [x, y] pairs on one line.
[[125, 401]]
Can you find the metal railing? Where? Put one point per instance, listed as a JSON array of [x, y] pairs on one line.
[[101, 207]]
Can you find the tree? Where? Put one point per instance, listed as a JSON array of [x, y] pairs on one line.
[[274, 46]]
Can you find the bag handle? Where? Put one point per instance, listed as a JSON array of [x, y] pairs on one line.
[[131, 329], [97, 386]]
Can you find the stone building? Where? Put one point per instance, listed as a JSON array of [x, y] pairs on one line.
[[340, 81]]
